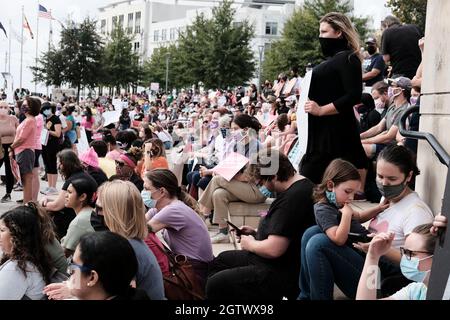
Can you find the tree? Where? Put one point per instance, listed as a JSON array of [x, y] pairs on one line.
[[229, 59], [410, 11], [215, 51], [120, 62], [299, 45], [50, 68]]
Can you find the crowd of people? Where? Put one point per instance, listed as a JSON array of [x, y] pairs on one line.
[[149, 177]]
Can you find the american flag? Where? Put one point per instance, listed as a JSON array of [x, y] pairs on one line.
[[44, 13]]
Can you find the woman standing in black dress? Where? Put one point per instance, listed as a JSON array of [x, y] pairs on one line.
[[336, 87]]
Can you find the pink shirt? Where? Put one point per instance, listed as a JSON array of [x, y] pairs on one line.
[[26, 131], [87, 124], [114, 155], [39, 127]]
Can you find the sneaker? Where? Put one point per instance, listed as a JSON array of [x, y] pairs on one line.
[[220, 238], [19, 201], [360, 197], [6, 198], [51, 192], [18, 188], [45, 190]]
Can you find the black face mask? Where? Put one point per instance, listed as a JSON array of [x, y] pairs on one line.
[[331, 46], [371, 50]]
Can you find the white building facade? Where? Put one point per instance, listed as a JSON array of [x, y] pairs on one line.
[[158, 23]]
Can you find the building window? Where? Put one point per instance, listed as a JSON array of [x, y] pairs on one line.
[[271, 28], [156, 36], [121, 20], [138, 23], [136, 46], [172, 33], [163, 34], [130, 23], [103, 27], [237, 25], [114, 22]]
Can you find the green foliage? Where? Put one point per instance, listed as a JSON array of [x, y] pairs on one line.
[[120, 62], [50, 68], [76, 61], [214, 51], [299, 44], [81, 48], [410, 11]]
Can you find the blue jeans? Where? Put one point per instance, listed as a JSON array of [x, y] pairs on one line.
[[194, 178], [324, 264]]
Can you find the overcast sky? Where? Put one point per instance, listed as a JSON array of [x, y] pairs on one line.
[[77, 10]]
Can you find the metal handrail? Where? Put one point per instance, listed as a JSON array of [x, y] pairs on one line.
[[442, 155]]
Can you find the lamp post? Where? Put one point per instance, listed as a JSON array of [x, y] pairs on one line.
[[261, 51], [167, 69]]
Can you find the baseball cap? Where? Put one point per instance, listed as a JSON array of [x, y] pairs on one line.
[[401, 82], [371, 40]]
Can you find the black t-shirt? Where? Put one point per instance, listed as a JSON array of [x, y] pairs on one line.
[[401, 43], [289, 216], [77, 175], [98, 175], [138, 116], [54, 120], [376, 62]]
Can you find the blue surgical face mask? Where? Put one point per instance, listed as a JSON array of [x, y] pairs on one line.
[[47, 113], [331, 197], [147, 197], [410, 269]]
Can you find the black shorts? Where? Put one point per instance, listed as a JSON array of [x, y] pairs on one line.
[[25, 161], [37, 155]]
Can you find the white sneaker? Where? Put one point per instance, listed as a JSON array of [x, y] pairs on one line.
[[45, 191], [51, 192], [220, 238]]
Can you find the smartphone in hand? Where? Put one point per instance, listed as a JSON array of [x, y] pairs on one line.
[[359, 237], [237, 230]]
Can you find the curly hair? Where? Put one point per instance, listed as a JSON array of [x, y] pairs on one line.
[[27, 242], [135, 154]]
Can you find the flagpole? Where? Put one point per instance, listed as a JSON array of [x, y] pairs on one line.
[[37, 46], [50, 36], [9, 62], [21, 50]]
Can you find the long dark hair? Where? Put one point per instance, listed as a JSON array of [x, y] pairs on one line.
[[401, 157], [245, 121], [112, 257], [86, 186], [88, 114], [28, 246], [163, 178], [70, 163]]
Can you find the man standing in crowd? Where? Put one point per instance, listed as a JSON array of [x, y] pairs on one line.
[[376, 68], [399, 46]]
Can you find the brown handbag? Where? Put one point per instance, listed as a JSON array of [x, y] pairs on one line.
[[182, 283]]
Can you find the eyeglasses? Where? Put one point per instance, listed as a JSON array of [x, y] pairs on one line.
[[119, 164], [410, 253], [73, 266]]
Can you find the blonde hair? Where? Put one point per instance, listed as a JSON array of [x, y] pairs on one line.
[[340, 22], [123, 209]]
